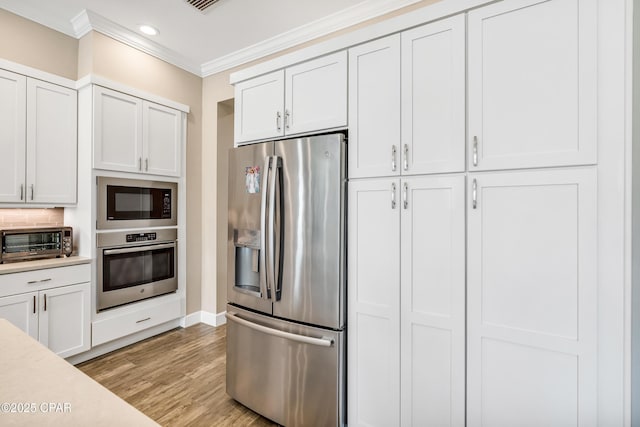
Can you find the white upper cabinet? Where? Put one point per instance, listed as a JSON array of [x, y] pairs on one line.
[[532, 295], [161, 139], [38, 141], [433, 97], [407, 102], [13, 105], [52, 143], [258, 107], [532, 84], [316, 94], [133, 135], [304, 98], [117, 131], [374, 108]]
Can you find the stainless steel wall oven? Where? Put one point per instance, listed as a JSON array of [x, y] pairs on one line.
[[136, 265]]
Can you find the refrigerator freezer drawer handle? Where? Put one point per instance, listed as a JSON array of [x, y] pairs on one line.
[[323, 342]]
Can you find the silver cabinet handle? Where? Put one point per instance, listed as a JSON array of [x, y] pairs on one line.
[[393, 158], [393, 195], [31, 282], [323, 342], [405, 196], [21, 191], [474, 194], [278, 117], [146, 165], [287, 119], [32, 191], [139, 163], [143, 320], [406, 157], [475, 150]]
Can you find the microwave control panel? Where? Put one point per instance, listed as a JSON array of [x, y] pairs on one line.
[[140, 237]]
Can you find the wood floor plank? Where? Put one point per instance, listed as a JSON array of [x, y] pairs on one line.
[[177, 378]]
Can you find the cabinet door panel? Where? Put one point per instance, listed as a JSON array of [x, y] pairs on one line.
[[316, 94], [433, 301], [374, 304], [161, 139], [259, 108], [22, 311], [532, 298], [374, 108], [13, 91], [52, 143], [117, 127], [65, 321], [532, 84], [433, 97]]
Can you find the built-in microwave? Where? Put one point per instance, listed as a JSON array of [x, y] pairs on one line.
[[134, 203]]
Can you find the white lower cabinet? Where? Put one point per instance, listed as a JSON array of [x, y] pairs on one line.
[[22, 311], [59, 317], [532, 298], [406, 309], [65, 319]]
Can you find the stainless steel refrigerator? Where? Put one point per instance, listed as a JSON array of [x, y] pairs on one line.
[[286, 280]]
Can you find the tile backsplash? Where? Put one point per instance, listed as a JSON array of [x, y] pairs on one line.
[[31, 217]]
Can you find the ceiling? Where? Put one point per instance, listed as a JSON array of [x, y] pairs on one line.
[[227, 34]]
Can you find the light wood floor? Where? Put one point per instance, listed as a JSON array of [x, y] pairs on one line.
[[177, 378]]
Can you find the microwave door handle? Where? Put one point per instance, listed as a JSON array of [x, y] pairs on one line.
[[138, 249], [265, 290]]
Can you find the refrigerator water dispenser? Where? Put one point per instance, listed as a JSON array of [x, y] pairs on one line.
[[247, 249]]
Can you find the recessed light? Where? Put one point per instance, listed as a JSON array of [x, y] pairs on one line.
[[149, 30]]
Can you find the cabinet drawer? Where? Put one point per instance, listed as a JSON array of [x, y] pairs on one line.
[[128, 323], [29, 281]]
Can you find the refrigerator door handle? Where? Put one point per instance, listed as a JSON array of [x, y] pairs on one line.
[[265, 289], [276, 162], [323, 342]]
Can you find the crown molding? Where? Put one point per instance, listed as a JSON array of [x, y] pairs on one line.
[[87, 20], [351, 16]]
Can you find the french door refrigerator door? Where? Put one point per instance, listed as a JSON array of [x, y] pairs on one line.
[[311, 225], [246, 272], [290, 373]]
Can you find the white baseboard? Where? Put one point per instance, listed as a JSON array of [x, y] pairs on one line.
[[205, 317], [221, 318]]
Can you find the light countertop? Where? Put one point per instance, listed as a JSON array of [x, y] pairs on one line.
[[40, 388], [39, 264]]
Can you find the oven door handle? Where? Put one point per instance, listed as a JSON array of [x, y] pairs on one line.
[[138, 249]]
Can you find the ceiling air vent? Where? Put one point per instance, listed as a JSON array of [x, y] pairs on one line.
[[201, 5]]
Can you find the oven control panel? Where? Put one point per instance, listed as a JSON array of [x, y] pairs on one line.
[[141, 237]]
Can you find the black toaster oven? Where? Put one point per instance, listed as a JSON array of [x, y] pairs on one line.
[[20, 244]]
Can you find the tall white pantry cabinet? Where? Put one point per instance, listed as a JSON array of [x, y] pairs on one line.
[[489, 174]]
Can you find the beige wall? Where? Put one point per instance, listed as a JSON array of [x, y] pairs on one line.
[[216, 89], [103, 56], [28, 43]]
